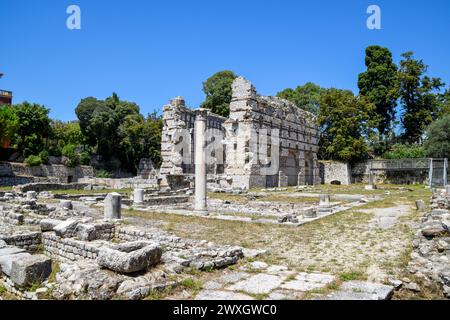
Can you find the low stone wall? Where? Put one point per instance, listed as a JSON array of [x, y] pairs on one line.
[[124, 183], [28, 241], [61, 173], [165, 200], [38, 187], [69, 248]]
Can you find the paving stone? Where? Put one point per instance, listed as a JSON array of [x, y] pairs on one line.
[[276, 269], [308, 281], [212, 285], [258, 265], [348, 295], [382, 291], [234, 277], [258, 284], [221, 295]]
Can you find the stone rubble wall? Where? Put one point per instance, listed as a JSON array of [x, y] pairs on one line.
[[69, 248], [47, 186], [27, 241], [331, 171], [430, 259], [11, 217], [124, 183], [61, 173]]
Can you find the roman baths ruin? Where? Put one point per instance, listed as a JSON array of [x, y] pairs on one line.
[[240, 209]]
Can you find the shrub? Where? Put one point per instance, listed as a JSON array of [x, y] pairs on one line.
[[44, 156], [102, 174], [33, 161], [405, 151], [69, 151], [85, 159]]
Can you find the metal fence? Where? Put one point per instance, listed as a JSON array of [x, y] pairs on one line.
[[438, 173]]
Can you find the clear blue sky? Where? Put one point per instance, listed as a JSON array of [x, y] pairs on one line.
[[150, 51]]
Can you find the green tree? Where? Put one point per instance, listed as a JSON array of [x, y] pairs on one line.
[[217, 89], [437, 143], [345, 123], [444, 103], [117, 131], [9, 123], [419, 95], [306, 97], [405, 151], [34, 128], [379, 85]]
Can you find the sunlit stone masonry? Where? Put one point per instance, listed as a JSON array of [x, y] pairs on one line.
[[244, 150]]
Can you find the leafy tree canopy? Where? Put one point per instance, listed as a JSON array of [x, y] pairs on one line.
[[217, 89], [379, 85], [34, 128], [345, 123], [419, 97], [9, 123], [437, 143], [306, 97]]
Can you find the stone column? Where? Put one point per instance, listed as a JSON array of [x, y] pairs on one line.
[[324, 204], [31, 195], [200, 204], [138, 196], [112, 206]]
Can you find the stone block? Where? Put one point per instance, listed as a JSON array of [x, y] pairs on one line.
[[30, 269], [86, 232], [129, 257], [7, 260], [112, 209], [66, 228], [49, 224]]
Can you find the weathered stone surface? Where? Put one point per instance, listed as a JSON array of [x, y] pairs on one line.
[[49, 224], [308, 281], [7, 260], [221, 295], [258, 284], [129, 257], [66, 228], [30, 269], [112, 205], [86, 232], [380, 291], [66, 204], [433, 229], [10, 250]]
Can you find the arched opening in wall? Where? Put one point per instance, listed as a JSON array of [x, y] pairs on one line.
[[290, 167], [309, 168]]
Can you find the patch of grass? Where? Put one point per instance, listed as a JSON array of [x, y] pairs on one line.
[[192, 284], [352, 275], [55, 269]]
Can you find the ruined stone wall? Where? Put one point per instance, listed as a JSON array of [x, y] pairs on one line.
[[68, 248], [333, 172], [289, 161], [178, 118], [17, 173], [360, 174], [28, 241], [297, 147]]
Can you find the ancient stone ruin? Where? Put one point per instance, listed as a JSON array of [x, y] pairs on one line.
[[253, 120]]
